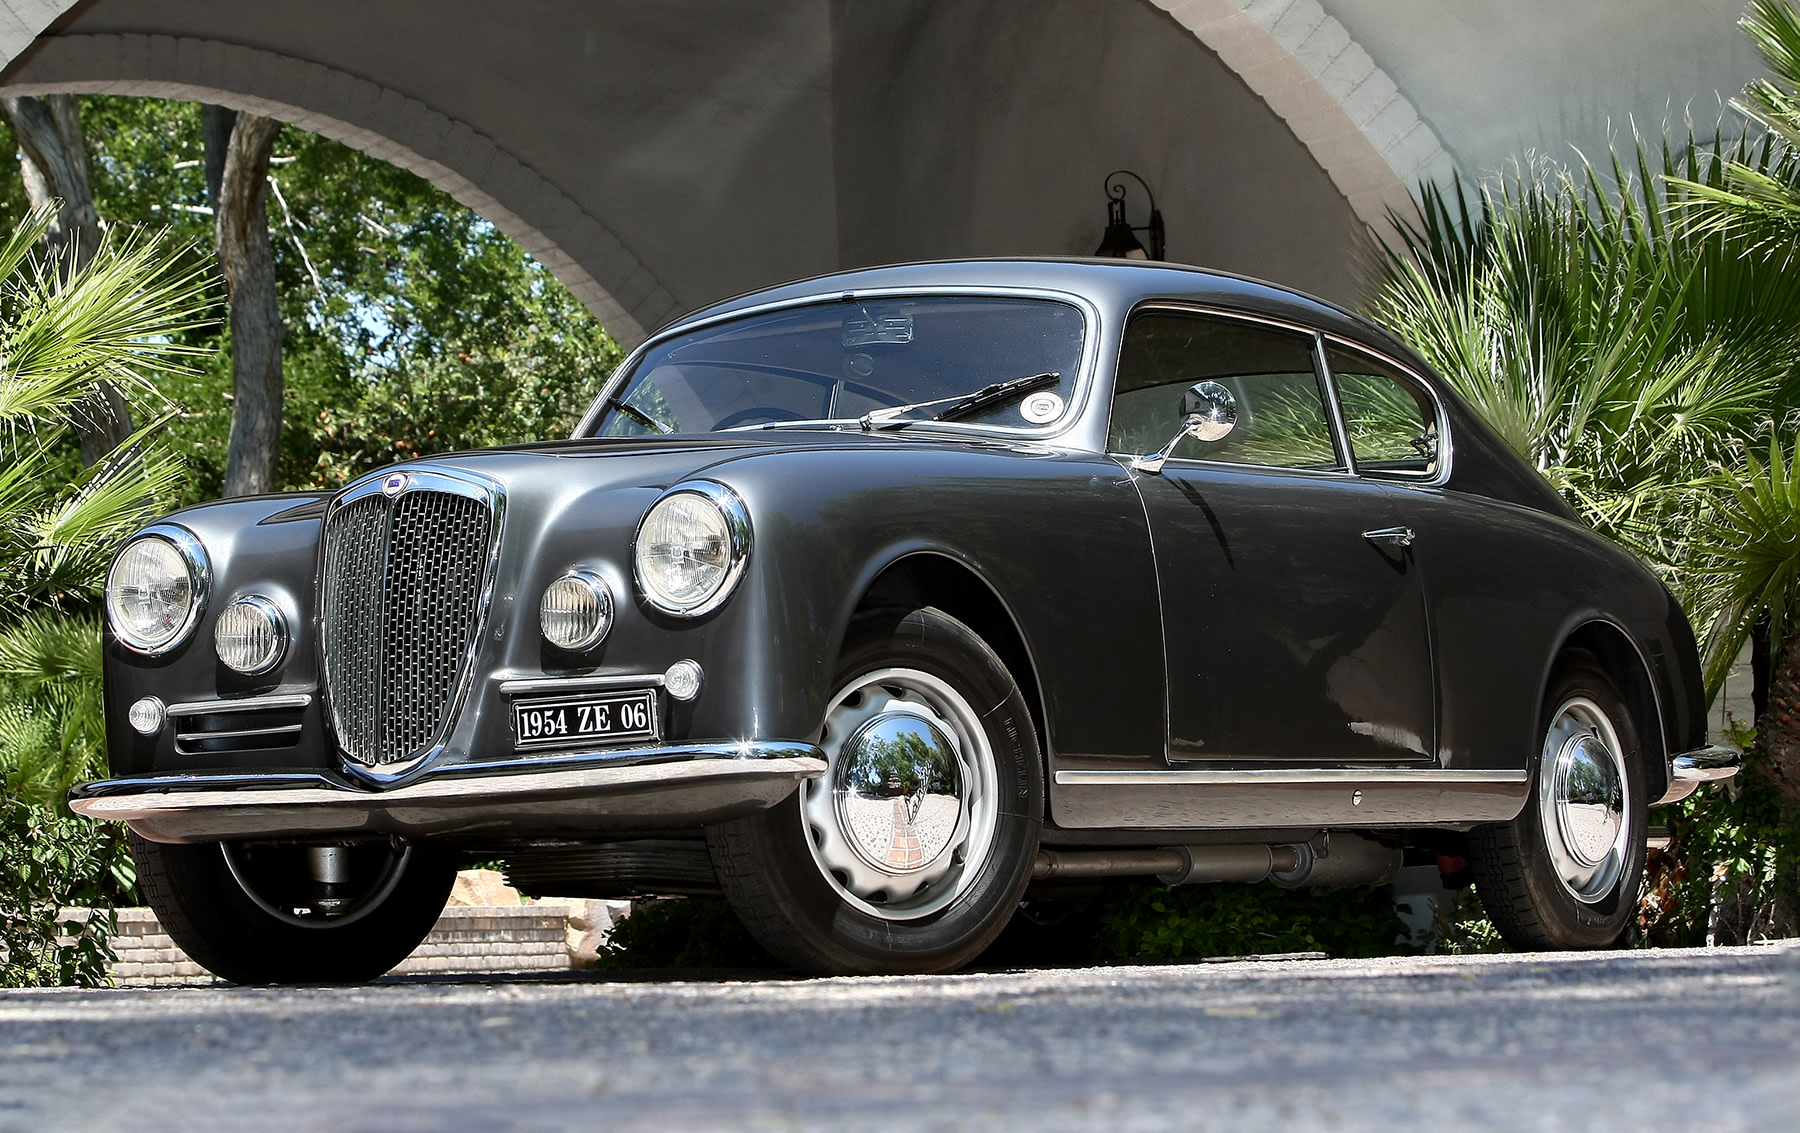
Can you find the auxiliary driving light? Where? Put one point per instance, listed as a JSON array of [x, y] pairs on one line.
[[251, 635], [576, 611]]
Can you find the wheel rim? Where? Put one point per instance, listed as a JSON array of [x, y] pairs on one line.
[[1581, 801], [903, 819], [298, 900]]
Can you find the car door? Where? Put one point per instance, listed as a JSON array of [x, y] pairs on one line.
[[1485, 618], [1294, 617]]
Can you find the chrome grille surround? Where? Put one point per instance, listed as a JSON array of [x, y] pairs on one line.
[[406, 572]]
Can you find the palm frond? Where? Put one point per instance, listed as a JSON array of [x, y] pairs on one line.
[[118, 320], [1748, 557]]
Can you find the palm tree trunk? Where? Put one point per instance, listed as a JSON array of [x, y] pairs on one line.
[[256, 332], [1778, 729]]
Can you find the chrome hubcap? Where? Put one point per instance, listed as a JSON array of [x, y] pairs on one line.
[[1581, 800], [903, 818]]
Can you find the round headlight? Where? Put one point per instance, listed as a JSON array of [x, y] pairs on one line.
[[691, 548], [156, 589], [251, 635], [576, 611]]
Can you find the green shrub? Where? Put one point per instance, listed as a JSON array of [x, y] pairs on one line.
[[683, 932], [1730, 875], [1143, 921], [48, 862]]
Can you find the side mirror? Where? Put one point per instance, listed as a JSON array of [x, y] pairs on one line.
[[1208, 413]]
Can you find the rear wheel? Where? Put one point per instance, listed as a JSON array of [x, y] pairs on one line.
[[910, 853], [265, 914], [1565, 872]]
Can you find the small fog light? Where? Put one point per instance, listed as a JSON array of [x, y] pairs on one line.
[[682, 681], [146, 716], [251, 635], [576, 611]]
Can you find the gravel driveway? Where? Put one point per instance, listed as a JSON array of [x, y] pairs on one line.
[[1705, 1039]]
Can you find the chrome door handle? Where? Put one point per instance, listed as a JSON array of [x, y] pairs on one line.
[[1392, 536]]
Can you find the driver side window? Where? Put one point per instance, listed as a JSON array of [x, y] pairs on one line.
[[1280, 405]]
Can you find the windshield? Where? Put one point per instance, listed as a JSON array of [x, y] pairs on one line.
[[838, 362]]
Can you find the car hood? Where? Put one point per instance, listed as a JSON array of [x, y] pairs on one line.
[[657, 462]]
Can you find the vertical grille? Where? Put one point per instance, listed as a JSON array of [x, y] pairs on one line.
[[400, 606]]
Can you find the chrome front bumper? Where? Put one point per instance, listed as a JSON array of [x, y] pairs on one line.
[[1689, 769], [571, 795]]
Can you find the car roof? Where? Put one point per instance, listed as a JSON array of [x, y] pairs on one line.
[[1115, 286]]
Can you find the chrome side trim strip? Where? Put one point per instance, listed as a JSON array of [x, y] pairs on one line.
[[248, 704], [1286, 775], [580, 684]]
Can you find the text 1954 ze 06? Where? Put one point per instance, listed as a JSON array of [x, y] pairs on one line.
[[569, 720]]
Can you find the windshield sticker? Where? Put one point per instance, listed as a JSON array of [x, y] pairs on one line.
[[1041, 407], [865, 329]]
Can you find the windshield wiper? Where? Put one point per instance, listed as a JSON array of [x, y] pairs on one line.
[[809, 423], [638, 415], [962, 406]]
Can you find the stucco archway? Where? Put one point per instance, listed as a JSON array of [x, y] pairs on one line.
[[658, 157]]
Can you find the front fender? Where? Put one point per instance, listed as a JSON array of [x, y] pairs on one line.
[[1058, 538]]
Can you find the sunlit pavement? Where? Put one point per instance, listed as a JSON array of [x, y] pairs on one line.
[[1706, 1039]]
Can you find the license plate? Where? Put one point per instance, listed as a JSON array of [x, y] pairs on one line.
[[563, 721]]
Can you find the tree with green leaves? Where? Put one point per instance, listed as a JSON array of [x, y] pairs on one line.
[[119, 319], [1622, 356], [411, 325], [1632, 334], [1747, 561]]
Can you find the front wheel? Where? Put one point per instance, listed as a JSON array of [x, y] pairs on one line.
[[910, 853], [278, 914], [1565, 872]]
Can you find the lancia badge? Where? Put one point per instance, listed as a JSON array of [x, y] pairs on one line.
[[395, 484]]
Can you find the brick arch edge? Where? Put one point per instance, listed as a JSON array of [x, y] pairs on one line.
[[1349, 113]]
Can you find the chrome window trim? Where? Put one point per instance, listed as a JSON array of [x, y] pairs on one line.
[[456, 481], [1072, 414], [1446, 440], [1334, 409], [199, 565], [1339, 442], [737, 524]]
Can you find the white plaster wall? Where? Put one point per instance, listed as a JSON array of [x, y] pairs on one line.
[[1498, 79]]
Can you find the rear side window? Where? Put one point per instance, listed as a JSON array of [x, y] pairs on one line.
[[1391, 421], [1281, 409]]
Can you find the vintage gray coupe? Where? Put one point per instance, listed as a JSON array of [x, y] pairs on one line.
[[877, 600]]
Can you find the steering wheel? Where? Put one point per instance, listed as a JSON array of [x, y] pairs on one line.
[[757, 414]]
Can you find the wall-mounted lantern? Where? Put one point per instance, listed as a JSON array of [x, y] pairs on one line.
[[1120, 241]]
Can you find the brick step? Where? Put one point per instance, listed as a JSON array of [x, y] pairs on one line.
[[549, 936]]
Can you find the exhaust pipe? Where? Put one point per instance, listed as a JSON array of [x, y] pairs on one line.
[[1347, 859]]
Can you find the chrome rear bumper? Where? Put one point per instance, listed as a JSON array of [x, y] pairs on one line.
[[1689, 769], [686, 786]]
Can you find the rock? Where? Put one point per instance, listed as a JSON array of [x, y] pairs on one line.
[[590, 923], [481, 888]]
